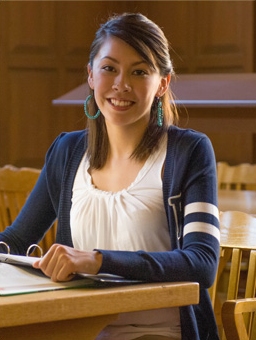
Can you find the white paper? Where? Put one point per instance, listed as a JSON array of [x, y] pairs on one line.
[[23, 279], [17, 276]]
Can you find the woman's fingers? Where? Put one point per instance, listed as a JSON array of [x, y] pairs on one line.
[[57, 264], [60, 263]]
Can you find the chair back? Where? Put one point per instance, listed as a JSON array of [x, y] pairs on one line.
[[236, 177], [15, 187], [238, 256]]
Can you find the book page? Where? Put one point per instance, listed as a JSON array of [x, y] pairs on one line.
[[20, 280], [17, 276]]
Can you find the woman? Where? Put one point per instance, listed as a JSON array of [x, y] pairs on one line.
[[134, 194]]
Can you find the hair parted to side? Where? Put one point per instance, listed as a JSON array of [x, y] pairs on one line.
[[149, 41]]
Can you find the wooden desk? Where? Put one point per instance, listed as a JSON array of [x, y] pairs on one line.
[[238, 230], [82, 313], [241, 200]]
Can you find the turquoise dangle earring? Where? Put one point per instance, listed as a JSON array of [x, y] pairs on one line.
[[160, 112], [86, 110]]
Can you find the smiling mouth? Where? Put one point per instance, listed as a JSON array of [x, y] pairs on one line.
[[121, 103]]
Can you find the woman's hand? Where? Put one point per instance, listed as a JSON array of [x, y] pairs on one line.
[[61, 263]]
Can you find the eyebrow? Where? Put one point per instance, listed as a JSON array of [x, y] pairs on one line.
[[116, 61]]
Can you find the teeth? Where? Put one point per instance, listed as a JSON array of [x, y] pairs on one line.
[[120, 102]]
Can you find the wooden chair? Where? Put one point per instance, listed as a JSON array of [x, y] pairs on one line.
[[15, 186], [235, 324], [240, 178], [238, 235], [236, 177]]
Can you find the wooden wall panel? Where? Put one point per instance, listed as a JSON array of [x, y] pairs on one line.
[[79, 27], [4, 120], [233, 147], [223, 36], [175, 18], [40, 66], [44, 47], [30, 121], [231, 130], [30, 81], [32, 28]]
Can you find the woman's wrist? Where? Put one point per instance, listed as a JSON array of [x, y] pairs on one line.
[[99, 259]]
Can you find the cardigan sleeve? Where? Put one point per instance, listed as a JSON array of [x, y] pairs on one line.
[[193, 181]]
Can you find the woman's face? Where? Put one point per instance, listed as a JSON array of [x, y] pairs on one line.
[[124, 85]]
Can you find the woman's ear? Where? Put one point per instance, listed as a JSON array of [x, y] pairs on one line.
[[90, 76], [164, 85]]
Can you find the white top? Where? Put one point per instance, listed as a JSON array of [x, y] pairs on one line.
[[131, 219]]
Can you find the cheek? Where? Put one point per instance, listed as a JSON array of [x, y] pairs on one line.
[[102, 84], [149, 94], [152, 88]]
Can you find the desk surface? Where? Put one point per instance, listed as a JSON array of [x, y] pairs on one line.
[[89, 302], [194, 90], [238, 229], [241, 200]]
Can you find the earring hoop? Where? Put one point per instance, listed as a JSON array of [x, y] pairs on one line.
[[86, 110]]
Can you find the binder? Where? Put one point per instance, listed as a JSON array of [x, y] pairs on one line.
[[17, 276]]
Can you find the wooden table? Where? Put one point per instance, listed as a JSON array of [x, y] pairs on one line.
[[194, 90], [82, 313], [238, 229], [241, 200]]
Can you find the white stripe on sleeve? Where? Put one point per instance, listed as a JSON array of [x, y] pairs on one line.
[[202, 227]]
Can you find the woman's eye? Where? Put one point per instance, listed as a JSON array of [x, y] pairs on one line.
[[140, 72], [108, 68]]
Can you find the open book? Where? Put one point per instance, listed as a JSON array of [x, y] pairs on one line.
[[17, 276]]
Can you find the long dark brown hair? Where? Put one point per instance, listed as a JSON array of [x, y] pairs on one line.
[[150, 42]]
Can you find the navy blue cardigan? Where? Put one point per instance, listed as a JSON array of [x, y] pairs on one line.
[[190, 200]]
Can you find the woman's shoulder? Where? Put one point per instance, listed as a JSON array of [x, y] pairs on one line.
[[187, 133], [70, 138], [66, 145], [186, 141]]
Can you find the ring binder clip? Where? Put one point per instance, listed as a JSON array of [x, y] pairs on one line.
[[6, 245], [36, 246]]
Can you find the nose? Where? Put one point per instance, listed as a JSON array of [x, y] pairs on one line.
[[121, 88], [121, 85]]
